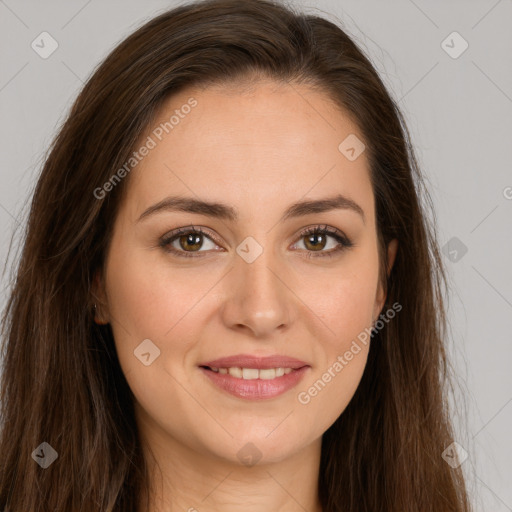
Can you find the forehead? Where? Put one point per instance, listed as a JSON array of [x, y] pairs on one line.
[[265, 145]]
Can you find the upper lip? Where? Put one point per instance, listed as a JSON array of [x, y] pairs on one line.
[[249, 361]]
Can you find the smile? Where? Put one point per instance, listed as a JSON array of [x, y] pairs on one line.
[[254, 383]]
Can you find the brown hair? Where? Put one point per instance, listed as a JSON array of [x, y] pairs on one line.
[[62, 382]]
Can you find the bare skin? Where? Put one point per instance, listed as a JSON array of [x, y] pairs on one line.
[[257, 151]]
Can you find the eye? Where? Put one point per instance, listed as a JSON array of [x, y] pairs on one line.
[[316, 239], [186, 241]]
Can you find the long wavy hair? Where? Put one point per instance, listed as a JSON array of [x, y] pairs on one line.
[[62, 382]]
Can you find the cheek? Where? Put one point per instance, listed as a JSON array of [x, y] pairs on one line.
[[343, 299], [345, 305], [149, 301], [149, 298], [322, 399], [335, 379]]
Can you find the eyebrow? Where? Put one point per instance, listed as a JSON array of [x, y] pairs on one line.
[[226, 212]]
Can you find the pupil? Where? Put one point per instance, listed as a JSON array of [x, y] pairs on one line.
[[313, 237], [191, 240]]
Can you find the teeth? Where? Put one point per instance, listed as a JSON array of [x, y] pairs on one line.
[[250, 373], [235, 372], [267, 373], [253, 373]]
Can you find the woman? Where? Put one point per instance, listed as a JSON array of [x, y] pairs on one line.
[[229, 294]]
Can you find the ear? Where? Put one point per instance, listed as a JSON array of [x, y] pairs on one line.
[[392, 249], [99, 298], [381, 296]]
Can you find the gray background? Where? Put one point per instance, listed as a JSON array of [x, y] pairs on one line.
[[459, 111]]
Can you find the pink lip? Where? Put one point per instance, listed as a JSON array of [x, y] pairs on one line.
[[256, 389], [248, 361]]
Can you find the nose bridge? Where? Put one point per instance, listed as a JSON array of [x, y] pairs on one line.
[[260, 278], [257, 296]]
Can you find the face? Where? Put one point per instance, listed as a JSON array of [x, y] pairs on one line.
[[255, 280]]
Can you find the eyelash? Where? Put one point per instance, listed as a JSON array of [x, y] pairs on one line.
[[345, 243]]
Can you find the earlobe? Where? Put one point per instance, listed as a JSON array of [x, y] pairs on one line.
[[100, 308], [391, 256], [99, 318], [392, 250]]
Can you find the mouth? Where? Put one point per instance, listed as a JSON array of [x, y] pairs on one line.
[[254, 383]]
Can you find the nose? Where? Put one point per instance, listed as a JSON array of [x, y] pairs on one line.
[[258, 298]]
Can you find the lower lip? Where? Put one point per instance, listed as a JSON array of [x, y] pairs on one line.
[[256, 389]]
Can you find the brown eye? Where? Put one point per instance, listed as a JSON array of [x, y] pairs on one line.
[[315, 241], [187, 241], [191, 241]]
